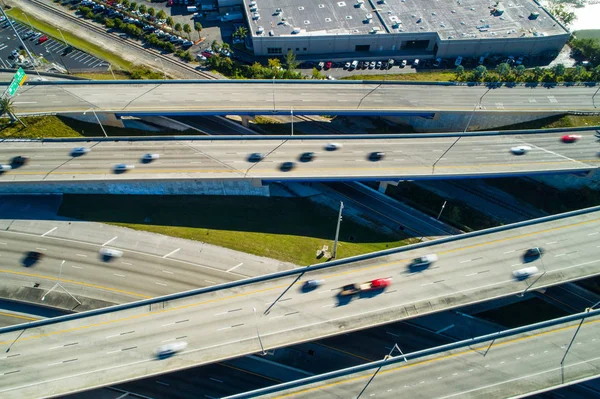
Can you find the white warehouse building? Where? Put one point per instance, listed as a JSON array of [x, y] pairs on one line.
[[421, 28]]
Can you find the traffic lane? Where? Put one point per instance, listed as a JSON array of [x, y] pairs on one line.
[[146, 97], [224, 326], [136, 274], [289, 316], [9, 318], [517, 365]]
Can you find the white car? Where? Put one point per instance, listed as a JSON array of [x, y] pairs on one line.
[[424, 261], [347, 65], [110, 253], [150, 157], [170, 349], [4, 168], [79, 151], [403, 63], [522, 274], [333, 146], [520, 149], [121, 167]]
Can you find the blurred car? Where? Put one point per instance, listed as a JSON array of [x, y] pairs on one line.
[[522, 274], [77, 151], [150, 157], [4, 168], [67, 51], [333, 146], [109, 253], [376, 156], [255, 157], [378, 65], [403, 63], [347, 65], [424, 261], [287, 166], [122, 167], [520, 150], [170, 349], [570, 138], [307, 156], [320, 65], [532, 253], [20, 160], [31, 258], [328, 65], [372, 64], [312, 284]]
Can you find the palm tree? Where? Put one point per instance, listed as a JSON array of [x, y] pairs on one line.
[[170, 22], [187, 29], [290, 61], [178, 28], [7, 108], [241, 32], [198, 28]]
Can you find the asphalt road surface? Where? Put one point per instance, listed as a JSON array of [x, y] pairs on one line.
[[404, 158], [321, 98], [116, 347], [518, 365], [151, 265]]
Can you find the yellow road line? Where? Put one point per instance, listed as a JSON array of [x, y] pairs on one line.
[[196, 304], [63, 280], [18, 316], [437, 359]]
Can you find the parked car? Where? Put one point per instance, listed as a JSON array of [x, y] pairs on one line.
[[437, 63], [328, 65], [403, 63], [415, 63], [320, 65]]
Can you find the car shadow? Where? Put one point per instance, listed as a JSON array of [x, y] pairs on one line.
[[29, 261]]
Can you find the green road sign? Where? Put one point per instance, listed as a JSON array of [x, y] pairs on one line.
[[17, 81]]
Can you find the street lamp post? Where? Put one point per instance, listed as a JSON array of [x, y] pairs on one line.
[[102, 127], [593, 98], [163, 68], [274, 94], [111, 71], [562, 362], [441, 210], [292, 114], [337, 231], [258, 333], [59, 285]]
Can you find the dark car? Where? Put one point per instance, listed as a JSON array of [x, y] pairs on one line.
[[376, 156], [19, 161], [67, 50], [307, 157], [533, 253], [287, 166], [31, 258], [255, 157]]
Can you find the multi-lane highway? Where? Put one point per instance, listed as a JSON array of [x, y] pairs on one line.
[[210, 97], [508, 367], [105, 349], [151, 265], [412, 157]]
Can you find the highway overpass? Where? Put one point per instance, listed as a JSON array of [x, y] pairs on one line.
[[305, 97], [514, 366], [431, 156], [274, 311]]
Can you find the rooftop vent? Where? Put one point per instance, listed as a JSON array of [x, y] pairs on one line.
[[327, 19], [301, 8], [341, 4], [321, 5], [296, 31], [306, 22], [534, 15], [278, 11], [369, 18], [359, 3], [252, 3], [375, 30]]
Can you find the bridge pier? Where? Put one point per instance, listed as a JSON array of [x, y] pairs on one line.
[[246, 120]]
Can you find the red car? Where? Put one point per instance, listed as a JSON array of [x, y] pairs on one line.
[[42, 39], [570, 138], [170, 3], [207, 54], [328, 64]]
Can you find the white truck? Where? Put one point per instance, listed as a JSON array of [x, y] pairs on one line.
[[192, 9], [232, 16]]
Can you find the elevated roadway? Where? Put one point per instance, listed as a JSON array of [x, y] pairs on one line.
[[268, 97], [406, 157], [114, 347], [515, 366]]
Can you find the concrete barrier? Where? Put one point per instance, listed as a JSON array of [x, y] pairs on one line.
[[287, 273]]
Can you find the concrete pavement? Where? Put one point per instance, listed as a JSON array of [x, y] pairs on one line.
[[223, 159], [228, 323], [322, 98]]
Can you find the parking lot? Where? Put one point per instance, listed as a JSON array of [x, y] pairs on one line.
[[52, 50]]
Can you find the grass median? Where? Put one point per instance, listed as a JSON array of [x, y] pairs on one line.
[[288, 229]]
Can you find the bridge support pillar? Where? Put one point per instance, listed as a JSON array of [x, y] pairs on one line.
[[246, 120], [383, 186]]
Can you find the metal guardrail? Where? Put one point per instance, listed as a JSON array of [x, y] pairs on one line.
[[414, 355], [324, 137], [287, 273]]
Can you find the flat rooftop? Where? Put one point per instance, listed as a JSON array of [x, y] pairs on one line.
[[452, 19]]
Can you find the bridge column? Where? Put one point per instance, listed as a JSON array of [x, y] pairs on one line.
[[246, 120], [382, 186]]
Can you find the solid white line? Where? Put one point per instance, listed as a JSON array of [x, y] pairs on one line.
[[172, 252], [235, 267], [49, 231], [109, 241]]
